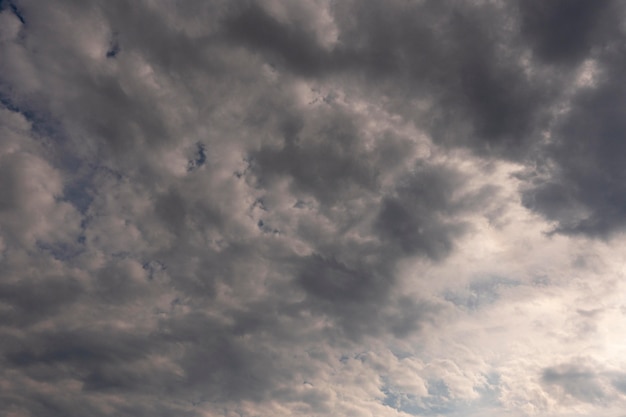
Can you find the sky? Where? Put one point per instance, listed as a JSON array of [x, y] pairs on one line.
[[351, 208]]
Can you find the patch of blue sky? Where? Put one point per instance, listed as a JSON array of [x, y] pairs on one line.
[[79, 189], [439, 403], [114, 49], [76, 191], [78, 194], [480, 292], [39, 124], [10, 5], [200, 158], [153, 267], [61, 251]]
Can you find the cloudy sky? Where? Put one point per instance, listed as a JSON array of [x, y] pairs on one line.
[[239, 208]]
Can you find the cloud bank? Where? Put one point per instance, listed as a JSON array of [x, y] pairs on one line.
[[355, 208]]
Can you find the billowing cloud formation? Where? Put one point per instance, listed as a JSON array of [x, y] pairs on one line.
[[311, 208]]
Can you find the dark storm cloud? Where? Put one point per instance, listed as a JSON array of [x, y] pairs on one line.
[[335, 282], [201, 233], [31, 301], [460, 56], [347, 281], [562, 31], [329, 163], [298, 49], [579, 181], [419, 217], [356, 299], [213, 361], [85, 349]]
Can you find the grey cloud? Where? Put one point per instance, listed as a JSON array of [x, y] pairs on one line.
[[200, 230], [180, 232], [329, 162], [87, 349], [582, 190], [171, 210], [35, 299], [578, 380], [350, 282], [352, 297], [335, 282], [205, 361], [218, 366], [419, 218], [562, 31], [298, 49], [619, 382], [575, 182], [441, 51], [410, 315]]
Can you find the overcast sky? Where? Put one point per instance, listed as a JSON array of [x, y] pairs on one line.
[[312, 208]]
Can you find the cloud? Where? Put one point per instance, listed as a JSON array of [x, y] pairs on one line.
[[581, 190], [562, 32], [582, 380], [575, 182], [310, 208]]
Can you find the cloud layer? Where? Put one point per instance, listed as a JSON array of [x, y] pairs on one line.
[[244, 208]]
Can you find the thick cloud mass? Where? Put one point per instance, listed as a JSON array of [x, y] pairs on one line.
[[312, 208]]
